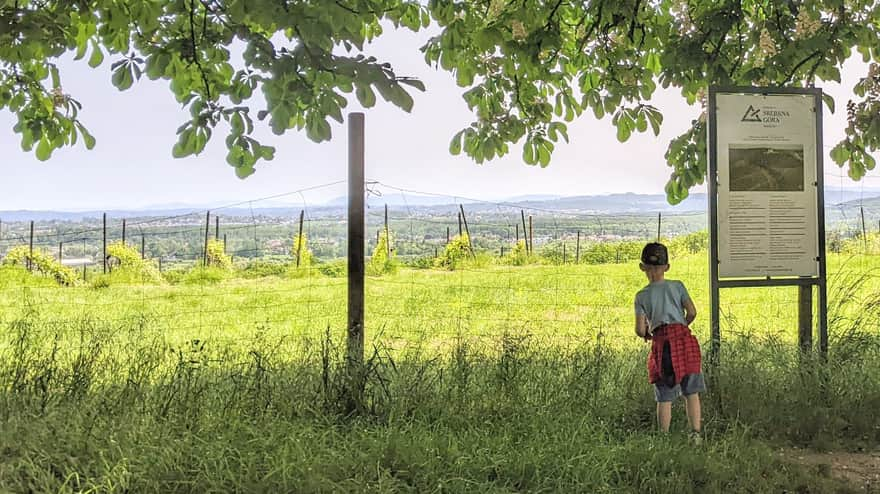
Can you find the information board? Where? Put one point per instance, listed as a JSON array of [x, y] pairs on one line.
[[767, 185]]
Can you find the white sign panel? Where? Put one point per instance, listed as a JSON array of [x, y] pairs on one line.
[[767, 192]]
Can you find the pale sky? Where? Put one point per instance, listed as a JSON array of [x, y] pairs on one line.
[[132, 166]]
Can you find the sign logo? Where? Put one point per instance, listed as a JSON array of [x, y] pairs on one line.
[[770, 116], [752, 115]]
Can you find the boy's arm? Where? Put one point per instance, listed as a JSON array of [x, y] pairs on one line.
[[690, 311], [642, 325]]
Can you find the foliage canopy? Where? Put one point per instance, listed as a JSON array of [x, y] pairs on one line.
[[527, 67]]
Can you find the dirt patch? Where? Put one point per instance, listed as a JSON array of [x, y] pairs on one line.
[[858, 469]]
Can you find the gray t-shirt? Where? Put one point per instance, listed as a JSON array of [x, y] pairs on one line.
[[663, 302]]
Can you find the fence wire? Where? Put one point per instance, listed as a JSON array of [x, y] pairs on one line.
[[578, 282]]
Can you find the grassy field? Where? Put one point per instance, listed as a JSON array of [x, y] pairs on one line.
[[486, 379]]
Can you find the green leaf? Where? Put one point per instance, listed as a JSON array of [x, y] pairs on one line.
[[829, 101], [184, 146], [558, 128], [56, 79], [97, 56], [840, 154], [464, 75], [122, 78], [414, 83], [393, 93], [529, 153], [366, 96], [237, 123], [455, 144], [655, 118], [27, 140], [641, 122], [44, 149], [544, 154], [652, 63], [199, 140], [243, 172], [87, 137], [623, 132], [267, 152]]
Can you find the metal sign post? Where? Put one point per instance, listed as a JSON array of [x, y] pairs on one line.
[[765, 184]]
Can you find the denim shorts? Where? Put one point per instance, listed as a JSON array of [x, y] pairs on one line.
[[690, 384]]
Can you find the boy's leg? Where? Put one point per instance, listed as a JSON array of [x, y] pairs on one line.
[[664, 396], [694, 413], [664, 415], [692, 385]]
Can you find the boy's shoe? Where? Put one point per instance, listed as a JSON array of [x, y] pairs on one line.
[[695, 438]]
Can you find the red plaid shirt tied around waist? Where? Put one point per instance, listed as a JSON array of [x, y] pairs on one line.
[[684, 350]]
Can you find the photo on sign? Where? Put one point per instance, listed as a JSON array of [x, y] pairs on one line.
[[766, 169]]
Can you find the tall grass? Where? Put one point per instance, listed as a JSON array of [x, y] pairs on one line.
[[115, 409], [131, 403]]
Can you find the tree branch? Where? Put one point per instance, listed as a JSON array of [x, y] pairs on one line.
[[632, 22], [552, 14], [195, 53], [799, 65]]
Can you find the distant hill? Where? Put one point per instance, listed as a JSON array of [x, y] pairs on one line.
[[837, 201]]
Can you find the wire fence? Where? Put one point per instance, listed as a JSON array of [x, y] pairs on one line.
[[577, 283]]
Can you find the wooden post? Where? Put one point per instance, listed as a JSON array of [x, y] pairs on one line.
[[502, 251], [299, 241], [805, 318], [563, 252], [123, 231], [459, 224], [447, 235], [525, 232], [467, 231], [531, 236], [143, 247], [60, 251], [435, 251], [1, 229], [517, 232], [207, 232], [356, 223], [31, 249], [105, 243], [378, 235], [577, 250], [217, 227], [160, 264], [387, 238], [659, 215], [224, 243], [864, 231]]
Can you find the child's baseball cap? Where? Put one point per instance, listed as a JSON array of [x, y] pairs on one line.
[[655, 254]]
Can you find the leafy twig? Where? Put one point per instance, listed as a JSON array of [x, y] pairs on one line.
[[192, 39]]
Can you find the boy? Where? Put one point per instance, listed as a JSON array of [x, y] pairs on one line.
[[663, 312]]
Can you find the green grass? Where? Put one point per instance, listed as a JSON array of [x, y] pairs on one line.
[[489, 379]]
